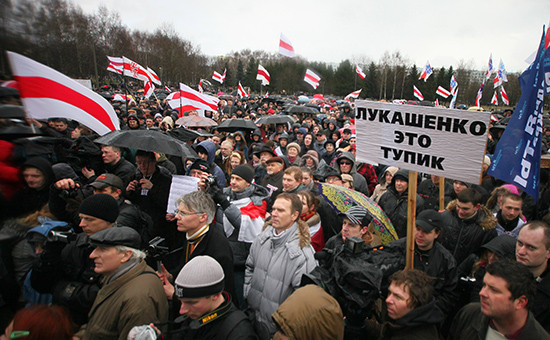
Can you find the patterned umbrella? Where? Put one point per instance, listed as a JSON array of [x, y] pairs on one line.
[[341, 199]]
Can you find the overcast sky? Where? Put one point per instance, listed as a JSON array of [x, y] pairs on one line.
[[441, 31]]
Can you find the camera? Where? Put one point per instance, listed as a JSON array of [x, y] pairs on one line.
[[156, 251], [61, 236], [210, 181]]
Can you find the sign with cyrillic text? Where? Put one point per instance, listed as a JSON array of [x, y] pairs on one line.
[[436, 141]]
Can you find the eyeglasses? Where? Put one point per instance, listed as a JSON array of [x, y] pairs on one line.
[[183, 214], [345, 163]]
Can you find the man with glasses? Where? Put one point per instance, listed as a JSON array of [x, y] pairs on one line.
[[346, 165], [195, 213]]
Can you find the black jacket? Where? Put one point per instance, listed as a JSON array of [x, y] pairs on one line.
[[123, 169], [465, 237], [68, 274], [541, 303], [430, 193]]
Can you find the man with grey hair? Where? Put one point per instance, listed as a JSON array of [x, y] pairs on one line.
[[131, 294], [195, 213]]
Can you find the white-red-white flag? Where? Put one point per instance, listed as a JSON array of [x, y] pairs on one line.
[[220, 78], [166, 88], [285, 47], [360, 72], [47, 93], [263, 75], [116, 64], [494, 100], [443, 92], [173, 95], [201, 90], [417, 93], [266, 94], [479, 94], [504, 96], [241, 91], [148, 89], [436, 102], [190, 99], [312, 79], [135, 70], [354, 95], [154, 78]]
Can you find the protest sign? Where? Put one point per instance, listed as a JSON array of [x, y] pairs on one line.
[[444, 142], [180, 185]]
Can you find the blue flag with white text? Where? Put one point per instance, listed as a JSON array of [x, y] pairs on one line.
[[517, 156]]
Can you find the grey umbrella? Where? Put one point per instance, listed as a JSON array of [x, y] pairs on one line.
[[148, 140], [275, 119], [236, 124]]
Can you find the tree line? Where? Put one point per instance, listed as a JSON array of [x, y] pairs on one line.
[[59, 34]]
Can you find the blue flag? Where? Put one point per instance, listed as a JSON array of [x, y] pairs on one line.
[[517, 155]]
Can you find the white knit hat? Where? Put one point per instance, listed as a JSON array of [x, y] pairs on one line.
[[200, 277]]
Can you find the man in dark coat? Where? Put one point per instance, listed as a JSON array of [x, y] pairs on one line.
[[503, 313], [428, 189]]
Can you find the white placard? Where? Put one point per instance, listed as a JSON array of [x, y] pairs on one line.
[[436, 141], [180, 185]]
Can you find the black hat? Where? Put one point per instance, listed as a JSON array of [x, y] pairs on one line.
[[263, 148], [358, 215], [402, 175], [116, 236], [200, 164], [330, 141], [245, 172], [503, 245], [104, 180], [429, 219], [101, 206], [202, 276], [331, 172]]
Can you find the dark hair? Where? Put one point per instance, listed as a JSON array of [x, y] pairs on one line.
[[147, 154], [419, 285], [518, 278], [44, 322], [310, 197], [469, 195], [295, 202], [534, 225]]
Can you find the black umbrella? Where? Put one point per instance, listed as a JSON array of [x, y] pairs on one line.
[[12, 111], [236, 124], [275, 119], [18, 131], [148, 140], [183, 134], [302, 109]]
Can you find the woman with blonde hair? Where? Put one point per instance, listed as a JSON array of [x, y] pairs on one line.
[[235, 159]]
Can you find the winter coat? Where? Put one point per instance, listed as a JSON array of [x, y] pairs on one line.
[[123, 169], [381, 188], [430, 193], [541, 302], [439, 264], [395, 206], [359, 182], [421, 323], [514, 225], [210, 148], [136, 298], [274, 269], [465, 237], [273, 182], [471, 324], [310, 313]]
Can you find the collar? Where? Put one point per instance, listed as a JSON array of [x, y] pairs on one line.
[[203, 230]]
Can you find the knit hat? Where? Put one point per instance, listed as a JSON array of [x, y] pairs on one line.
[[101, 206], [200, 164], [358, 215], [301, 130], [202, 276], [158, 115], [116, 236], [294, 145], [245, 172]]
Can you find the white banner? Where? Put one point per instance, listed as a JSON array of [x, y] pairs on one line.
[[436, 141]]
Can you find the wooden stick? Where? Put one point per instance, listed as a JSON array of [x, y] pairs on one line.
[[441, 193], [411, 219]]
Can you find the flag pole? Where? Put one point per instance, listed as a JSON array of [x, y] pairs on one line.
[[355, 86], [411, 219]]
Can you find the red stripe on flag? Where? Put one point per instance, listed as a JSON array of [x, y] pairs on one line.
[[286, 46], [195, 98], [312, 78], [38, 87]]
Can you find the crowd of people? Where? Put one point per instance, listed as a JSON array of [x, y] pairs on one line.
[[91, 250]]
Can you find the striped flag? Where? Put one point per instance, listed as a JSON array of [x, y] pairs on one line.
[[241, 91], [436, 102], [479, 95], [192, 100], [219, 77], [154, 78], [263, 75], [285, 47], [490, 68], [266, 94], [494, 100], [417, 93], [427, 72], [312, 79], [47, 93], [443, 92], [360, 72], [504, 96], [148, 89], [135, 70], [354, 95], [116, 64], [201, 90], [453, 85]]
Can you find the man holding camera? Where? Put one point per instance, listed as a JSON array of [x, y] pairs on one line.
[[64, 268]]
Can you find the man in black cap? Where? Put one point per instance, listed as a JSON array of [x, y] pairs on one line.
[[243, 207], [64, 268], [274, 179], [131, 293], [207, 308], [433, 259]]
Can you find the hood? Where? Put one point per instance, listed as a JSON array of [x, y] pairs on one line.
[[399, 173], [310, 313], [428, 314], [44, 166], [349, 156], [210, 148], [503, 245], [391, 169]]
